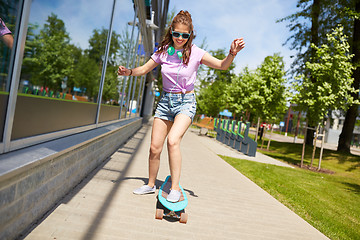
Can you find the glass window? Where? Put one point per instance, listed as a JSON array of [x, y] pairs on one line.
[[113, 96], [8, 13], [137, 55], [136, 83], [62, 66]]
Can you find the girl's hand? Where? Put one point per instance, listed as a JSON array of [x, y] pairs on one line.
[[237, 45], [123, 71]]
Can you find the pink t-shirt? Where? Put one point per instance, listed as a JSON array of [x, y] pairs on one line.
[[177, 77]]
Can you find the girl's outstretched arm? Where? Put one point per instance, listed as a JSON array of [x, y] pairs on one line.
[[224, 64], [139, 71]]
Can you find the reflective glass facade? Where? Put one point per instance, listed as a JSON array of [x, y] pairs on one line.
[[9, 10], [68, 70]]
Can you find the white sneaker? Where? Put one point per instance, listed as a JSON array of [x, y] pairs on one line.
[[145, 189], [174, 196]]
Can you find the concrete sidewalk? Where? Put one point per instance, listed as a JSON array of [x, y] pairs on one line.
[[221, 149], [223, 204]]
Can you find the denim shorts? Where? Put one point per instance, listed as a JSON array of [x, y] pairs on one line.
[[171, 104]]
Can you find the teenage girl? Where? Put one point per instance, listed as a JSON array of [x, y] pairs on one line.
[[179, 60]]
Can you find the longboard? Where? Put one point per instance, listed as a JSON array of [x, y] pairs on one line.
[[168, 209]]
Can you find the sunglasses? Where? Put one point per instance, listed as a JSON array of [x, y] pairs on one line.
[[183, 35]]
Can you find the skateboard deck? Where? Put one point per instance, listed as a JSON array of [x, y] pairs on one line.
[[168, 209]]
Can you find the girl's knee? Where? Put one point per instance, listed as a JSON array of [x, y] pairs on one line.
[[173, 141], [155, 149]]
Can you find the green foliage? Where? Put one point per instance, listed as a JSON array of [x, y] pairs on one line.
[[331, 13], [51, 58], [272, 88], [332, 69], [110, 91], [242, 93], [87, 75], [98, 43], [216, 74], [211, 97], [261, 92]]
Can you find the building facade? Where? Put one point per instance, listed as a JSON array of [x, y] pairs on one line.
[[63, 109]]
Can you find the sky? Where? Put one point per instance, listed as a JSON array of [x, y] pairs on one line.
[[219, 22]]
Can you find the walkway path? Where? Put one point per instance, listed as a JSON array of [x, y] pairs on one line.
[[223, 204]]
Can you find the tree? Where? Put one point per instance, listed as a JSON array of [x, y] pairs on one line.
[[272, 88], [211, 98], [97, 44], [323, 16], [352, 112], [51, 58], [110, 91], [31, 47], [331, 68], [261, 92], [242, 93], [311, 24], [87, 76], [304, 35], [96, 53]]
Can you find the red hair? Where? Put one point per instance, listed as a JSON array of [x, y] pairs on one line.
[[183, 17]]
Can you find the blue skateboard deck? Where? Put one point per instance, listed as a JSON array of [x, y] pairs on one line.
[[168, 209]]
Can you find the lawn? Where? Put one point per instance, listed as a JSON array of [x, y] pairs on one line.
[[328, 201]]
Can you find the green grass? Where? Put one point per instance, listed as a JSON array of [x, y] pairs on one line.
[[329, 202], [342, 164]]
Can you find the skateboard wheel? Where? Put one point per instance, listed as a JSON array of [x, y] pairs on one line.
[[183, 217], [159, 214]]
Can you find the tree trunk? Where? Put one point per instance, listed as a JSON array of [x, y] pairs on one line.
[[322, 148], [347, 130], [315, 13], [310, 135], [257, 129], [268, 145], [287, 121], [314, 149], [297, 127], [303, 148], [263, 138], [352, 112]]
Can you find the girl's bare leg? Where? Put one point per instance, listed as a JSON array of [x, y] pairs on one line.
[[159, 132], [177, 131]]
